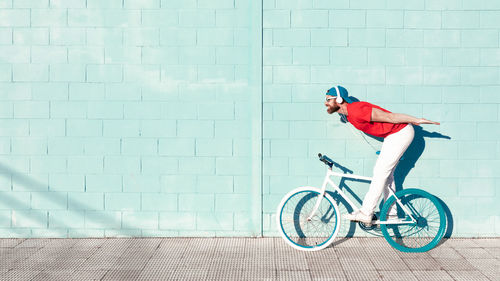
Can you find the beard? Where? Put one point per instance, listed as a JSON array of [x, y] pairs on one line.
[[332, 109]]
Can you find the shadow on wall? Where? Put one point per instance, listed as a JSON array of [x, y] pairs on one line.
[[92, 216]]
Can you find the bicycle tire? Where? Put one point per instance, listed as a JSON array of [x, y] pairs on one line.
[[426, 232], [296, 230]]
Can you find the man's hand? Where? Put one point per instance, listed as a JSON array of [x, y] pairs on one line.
[[424, 121]]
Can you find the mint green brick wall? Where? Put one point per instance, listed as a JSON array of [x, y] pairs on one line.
[[436, 59], [194, 118]]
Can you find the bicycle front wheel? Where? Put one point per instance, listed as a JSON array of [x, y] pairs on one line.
[[301, 230], [420, 235]]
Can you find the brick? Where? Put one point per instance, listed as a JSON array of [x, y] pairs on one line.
[[67, 3], [141, 220], [104, 73], [30, 4], [460, 19], [215, 37], [49, 17], [64, 109], [387, 56], [178, 184], [305, 56], [177, 221], [293, 4], [232, 56], [31, 36], [277, 56], [66, 219], [101, 146], [291, 37], [158, 128], [348, 56], [140, 146], [159, 202], [192, 128], [67, 36], [121, 128], [86, 91], [441, 75], [66, 182], [404, 38], [104, 18], [291, 74], [384, 19], [16, 200], [466, 187], [110, 36], [214, 221], [48, 201], [143, 110], [49, 54], [66, 146], [158, 18], [487, 168], [367, 37], [49, 91], [476, 150], [39, 182], [166, 55], [479, 75], [67, 72], [105, 110], [309, 18], [214, 184], [30, 72], [6, 37], [197, 55], [479, 38], [347, 18], [424, 56], [85, 201], [29, 146], [214, 147], [103, 220], [489, 19], [328, 37], [110, 4], [141, 37], [288, 148], [122, 201], [31, 109], [489, 57], [141, 4], [14, 17], [103, 183], [84, 128], [30, 219], [177, 147], [122, 55], [197, 18], [232, 166], [422, 19], [196, 202], [488, 94], [238, 17], [404, 75], [441, 38], [14, 54], [206, 164], [211, 74], [461, 57], [479, 112], [122, 164], [276, 18], [85, 164], [47, 164]]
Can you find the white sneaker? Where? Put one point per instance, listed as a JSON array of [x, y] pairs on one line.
[[358, 216]]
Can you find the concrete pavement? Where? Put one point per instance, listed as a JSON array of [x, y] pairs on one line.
[[242, 259]]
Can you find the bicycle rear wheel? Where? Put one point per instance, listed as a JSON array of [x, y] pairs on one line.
[[307, 234], [421, 235]]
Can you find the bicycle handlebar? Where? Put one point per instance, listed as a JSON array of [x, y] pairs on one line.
[[330, 163]]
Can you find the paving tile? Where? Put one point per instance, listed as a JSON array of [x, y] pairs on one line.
[[432, 275], [10, 243], [121, 275], [391, 264], [486, 265], [422, 264], [449, 253], [495, 251], [27, 274], [363, 275], [88, 275], [468, 275], [396, 275], [474, 253], [286, 275], [454, 264], [359, 264], [54, 275]]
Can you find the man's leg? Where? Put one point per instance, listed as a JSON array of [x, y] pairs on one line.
[[392, 149], [392, 186]]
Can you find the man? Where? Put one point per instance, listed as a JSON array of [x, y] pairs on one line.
[[397, 131]]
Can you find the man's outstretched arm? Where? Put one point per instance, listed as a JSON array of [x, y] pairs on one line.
[[396, 118]]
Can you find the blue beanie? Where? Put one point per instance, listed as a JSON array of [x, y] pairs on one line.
[[343, 93]]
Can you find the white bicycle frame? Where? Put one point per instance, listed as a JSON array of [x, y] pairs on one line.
[[327, 180]]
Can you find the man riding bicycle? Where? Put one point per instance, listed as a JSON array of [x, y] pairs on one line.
[[397, 131]]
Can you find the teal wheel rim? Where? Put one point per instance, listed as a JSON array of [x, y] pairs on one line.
[[421, 235]]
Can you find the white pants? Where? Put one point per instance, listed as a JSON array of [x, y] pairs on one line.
[[393, 147]]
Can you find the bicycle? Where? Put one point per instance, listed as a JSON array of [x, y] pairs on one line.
[[308, 218]]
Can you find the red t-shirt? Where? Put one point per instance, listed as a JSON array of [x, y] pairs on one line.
[[359, 115]]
